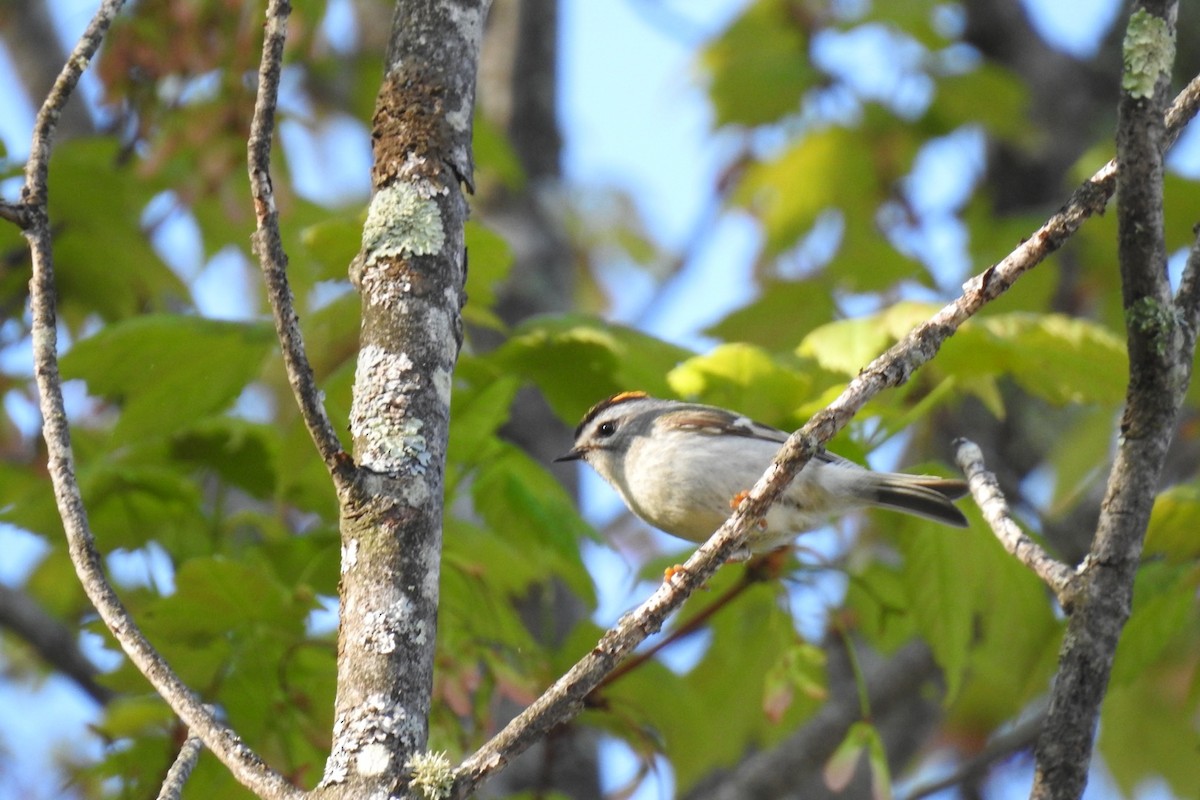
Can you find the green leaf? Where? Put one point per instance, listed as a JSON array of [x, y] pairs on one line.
[[246, 454], [1060, 359], [1016, 640], [941, 576], [1174, 521], [846, 346], [823, 170], [489, 261], [578, 360], [216, 596], [741, 377], [168, 371], [332, 244], [758, 67], [879, 597], [1148, 731], [521, 500], [783, 313], [131, 715], [1081, 454], [494, 155], [131, 505], [1164, 597], [988, 95], [104, 262]]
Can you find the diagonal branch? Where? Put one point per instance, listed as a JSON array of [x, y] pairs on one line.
[[1019, 737], [774, 772], [565, 697], [242, 762], [52, 640], [268, 246]]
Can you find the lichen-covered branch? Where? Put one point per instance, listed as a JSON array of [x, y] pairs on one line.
[[565, 697], [269, 247], [1160, 357], [410, 271]]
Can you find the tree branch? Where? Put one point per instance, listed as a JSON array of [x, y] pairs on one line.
[[268, 246], [565, 697], [1159, 372], [242, 762], [1014, 740], [14, 213], [411, 273], [773, 773], [986, 491], [53, 641], [181, 769]]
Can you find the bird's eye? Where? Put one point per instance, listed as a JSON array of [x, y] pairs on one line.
[[606, 429]]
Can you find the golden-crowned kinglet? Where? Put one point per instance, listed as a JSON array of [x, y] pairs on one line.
[[682, 467]]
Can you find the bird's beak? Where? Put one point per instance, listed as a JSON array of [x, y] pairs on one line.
[[573, 454]]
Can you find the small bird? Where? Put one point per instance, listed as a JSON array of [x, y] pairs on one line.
[[684, 467]]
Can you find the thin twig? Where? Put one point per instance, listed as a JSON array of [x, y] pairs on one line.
[[242, 762], [268, 246], [181, 769], [565, 697], [15, 213], [986, 491]]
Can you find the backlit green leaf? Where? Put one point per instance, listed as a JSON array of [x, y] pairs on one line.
[[168, 371]]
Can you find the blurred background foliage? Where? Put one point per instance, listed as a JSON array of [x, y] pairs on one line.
[[221, 525]]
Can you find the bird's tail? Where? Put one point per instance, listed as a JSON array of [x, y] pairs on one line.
[[922, 495]]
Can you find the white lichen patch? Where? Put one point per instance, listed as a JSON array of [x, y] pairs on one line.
[[1148, 50], [382, 289], [401, 221], [442, 382], [459, 118], [364, 737], [467, 19], [349, 555], [432, 775], [383, 628], [373, 759], [391, 439]]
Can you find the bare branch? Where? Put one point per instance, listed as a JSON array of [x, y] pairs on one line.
[[565, 697], [181, 770], [1013, 740], [986, 491], [14, 213], [774, 772], [242, 762], [1187, 299], [52, 640], [268, 246], [1159, 372]]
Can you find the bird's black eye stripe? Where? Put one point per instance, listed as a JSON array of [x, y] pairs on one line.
[[607, 429]]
